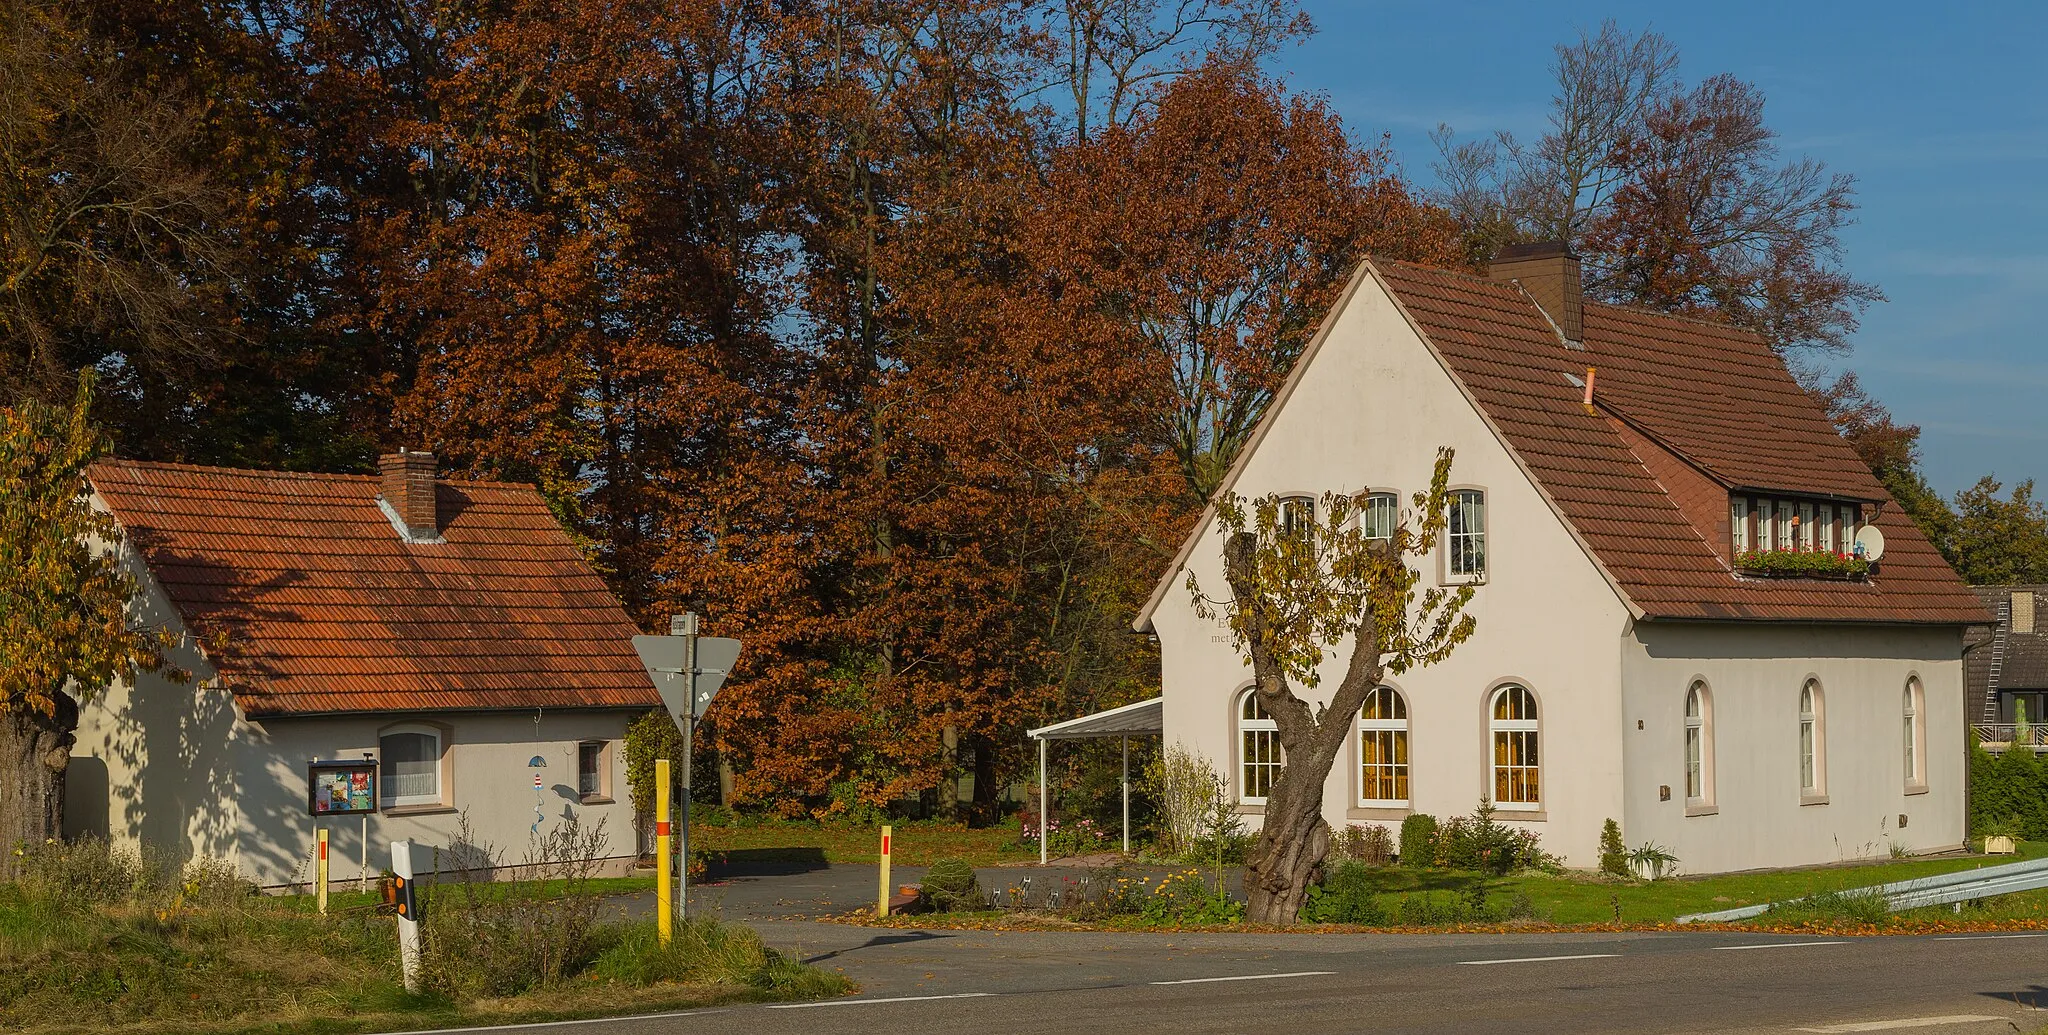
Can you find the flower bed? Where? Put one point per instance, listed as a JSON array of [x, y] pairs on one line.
[[1801, 564]]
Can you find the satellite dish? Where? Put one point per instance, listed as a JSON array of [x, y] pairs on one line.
[[1869, 543]]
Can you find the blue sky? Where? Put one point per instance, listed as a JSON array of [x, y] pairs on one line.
[[1939, 111]]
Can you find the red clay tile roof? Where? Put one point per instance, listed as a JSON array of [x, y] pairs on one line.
[[1715, 396], [319, 607]]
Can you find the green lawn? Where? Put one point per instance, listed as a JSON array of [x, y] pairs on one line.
[[912, 844], [1583, 899]]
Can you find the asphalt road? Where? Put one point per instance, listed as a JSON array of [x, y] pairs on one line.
[[988, 983]]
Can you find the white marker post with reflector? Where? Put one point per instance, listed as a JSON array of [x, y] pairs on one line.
[[408, 915]]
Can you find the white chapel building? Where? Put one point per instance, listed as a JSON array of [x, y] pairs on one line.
[[1635, 658]]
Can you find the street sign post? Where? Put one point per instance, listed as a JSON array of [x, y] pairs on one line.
[[687, 670]]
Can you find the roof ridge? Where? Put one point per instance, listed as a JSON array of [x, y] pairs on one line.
[[271, 472]]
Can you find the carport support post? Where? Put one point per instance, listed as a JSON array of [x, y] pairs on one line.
[[1042, 798], [1127, 795]]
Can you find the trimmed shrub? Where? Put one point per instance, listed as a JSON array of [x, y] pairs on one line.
[[1418, 840], [1349, 894], [950, 885], [1613, 851]]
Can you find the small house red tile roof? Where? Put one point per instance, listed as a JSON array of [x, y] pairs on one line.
[[308, 601]]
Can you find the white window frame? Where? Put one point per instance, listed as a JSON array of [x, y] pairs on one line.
[[1506, 733], [387, 796], [1393, 732], [1915, 709], [603, 772], [1738, 523], [1813, 740], [1827, 527], [1293, 508], [1699, 745], [1263, 732], [1387, 503], [1805, 538], [1786, 529], [1465, 544]]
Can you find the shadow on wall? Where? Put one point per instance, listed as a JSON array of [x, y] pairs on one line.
[[87, 798]]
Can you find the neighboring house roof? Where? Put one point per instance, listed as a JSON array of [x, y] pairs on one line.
[[308, 601], [2022, 658], [1714, 396]]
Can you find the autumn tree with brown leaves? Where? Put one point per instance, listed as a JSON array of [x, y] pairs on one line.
[[1677, 198]]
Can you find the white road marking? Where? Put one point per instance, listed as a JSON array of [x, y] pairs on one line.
[[1909, 1022], [1774, 945], [562, 1024], [866, 1002], [1249, 977], [1985, 937], [1539, 959]]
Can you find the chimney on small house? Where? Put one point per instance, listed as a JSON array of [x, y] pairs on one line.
[[408, 489], [1549, 272]]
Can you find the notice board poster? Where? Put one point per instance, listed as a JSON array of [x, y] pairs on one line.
[[341, 788]]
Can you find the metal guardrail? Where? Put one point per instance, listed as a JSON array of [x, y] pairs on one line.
[[1960, 886]]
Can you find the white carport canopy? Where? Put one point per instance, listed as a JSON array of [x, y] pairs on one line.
[[1140, 719]]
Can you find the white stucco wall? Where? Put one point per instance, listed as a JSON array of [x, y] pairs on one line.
[[1755, 673], [1370, 412]]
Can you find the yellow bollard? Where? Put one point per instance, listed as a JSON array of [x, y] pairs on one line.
[[882, 904], [664, 888], [320, 868]]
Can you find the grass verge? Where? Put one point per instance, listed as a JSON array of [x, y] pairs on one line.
[[111, 947]]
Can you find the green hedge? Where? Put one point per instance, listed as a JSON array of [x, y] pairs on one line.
[[2008, 794]]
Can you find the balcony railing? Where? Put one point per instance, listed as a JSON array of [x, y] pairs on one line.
[[2002, 734]]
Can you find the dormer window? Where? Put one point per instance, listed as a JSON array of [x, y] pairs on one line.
[[1791, 525]]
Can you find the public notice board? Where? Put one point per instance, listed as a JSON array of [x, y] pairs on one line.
[[341, 788]]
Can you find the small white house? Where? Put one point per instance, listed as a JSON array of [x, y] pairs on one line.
[[440, 648], [1634, 660]]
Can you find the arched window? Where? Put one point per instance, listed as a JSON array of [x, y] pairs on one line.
[[1298, 515], [1699, 745], [1813, 745], [1383, 750], [1259, 759], [1517, 777], [409, 765], [1916, 736]]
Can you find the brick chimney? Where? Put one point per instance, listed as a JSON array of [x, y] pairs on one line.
[[1549, 272], [409, 491]]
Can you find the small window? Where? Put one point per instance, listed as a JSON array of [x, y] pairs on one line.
[[1827, 527], [1465, 540], [1812, 741], [1517, 774], [590, 769], [1764, 517], [1259, 751], [1699, 746], [1738, 522], [1297, 515], [409, 766], [1383, 750], [1788, 524], [1806, 525], [1379, 515], [1915, 736]]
